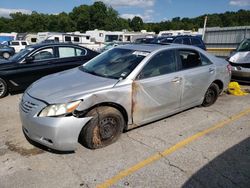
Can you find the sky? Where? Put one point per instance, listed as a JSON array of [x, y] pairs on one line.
[[148, 10]]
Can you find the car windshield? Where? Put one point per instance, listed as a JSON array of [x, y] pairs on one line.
[[20, 55], [115, 63], [244, 46]]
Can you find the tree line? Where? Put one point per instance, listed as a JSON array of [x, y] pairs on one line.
[[100, 16]]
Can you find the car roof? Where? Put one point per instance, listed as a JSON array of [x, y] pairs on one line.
[[154, 47], [53, 44]]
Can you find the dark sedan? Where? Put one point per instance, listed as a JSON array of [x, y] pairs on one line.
[[36, 61], [6, 51]]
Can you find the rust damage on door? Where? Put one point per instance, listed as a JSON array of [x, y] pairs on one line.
[[134, 104]]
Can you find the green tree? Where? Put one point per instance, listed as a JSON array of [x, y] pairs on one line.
[[136, 23]]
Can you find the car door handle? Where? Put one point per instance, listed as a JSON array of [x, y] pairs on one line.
[[176, 80], [211, 70]]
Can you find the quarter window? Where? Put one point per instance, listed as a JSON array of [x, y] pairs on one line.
[[189, 59], [80, 52], [162, 63], [205, 60]]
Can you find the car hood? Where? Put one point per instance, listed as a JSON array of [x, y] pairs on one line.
[[240, 57], [68, 85]]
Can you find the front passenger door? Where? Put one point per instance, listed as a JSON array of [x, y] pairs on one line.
[[37, 67], [157, 89], [69, 57]]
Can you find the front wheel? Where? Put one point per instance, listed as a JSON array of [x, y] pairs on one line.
[[211, 95], [103, 129], [3, 88]]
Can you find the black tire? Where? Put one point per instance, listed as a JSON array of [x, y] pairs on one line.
[[103, 129], [211, 95], [6, 55], [3, 88]]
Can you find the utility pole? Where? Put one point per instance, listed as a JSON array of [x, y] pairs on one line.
[[204, 28]]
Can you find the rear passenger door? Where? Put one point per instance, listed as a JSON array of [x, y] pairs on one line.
[[198, 72], [69, 57]]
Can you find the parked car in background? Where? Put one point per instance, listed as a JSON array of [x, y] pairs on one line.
[[144, 40], [112, 45], [124, 87], [36, 61], [6, 51], [182, 39], [240, 62], [18, 45]]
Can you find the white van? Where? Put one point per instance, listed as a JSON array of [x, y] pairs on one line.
[[18, 45]]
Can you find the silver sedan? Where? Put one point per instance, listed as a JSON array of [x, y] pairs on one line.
[[122, 88]]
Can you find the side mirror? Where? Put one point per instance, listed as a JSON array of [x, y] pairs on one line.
[[29, 59]]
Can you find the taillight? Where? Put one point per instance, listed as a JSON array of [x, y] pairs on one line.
[[229, 68]]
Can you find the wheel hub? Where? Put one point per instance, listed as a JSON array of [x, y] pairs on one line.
[[107, 128], [2, 88], [210, 96]]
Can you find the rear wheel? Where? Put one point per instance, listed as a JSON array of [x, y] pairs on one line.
[[6, 55], [211, 95], [3, 88], [103, 129]]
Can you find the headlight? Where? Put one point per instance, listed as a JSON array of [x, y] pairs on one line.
[[59, 109]]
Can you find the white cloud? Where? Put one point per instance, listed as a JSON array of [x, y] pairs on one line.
[[130, 16], [129, 3], [4, 12], [147, 16], [240, 3]]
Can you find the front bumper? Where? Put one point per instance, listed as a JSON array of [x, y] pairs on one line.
[[59, 133]]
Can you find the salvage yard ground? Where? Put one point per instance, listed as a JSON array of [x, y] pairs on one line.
[[200, 147]]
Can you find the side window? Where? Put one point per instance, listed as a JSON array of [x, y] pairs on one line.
[[80, 52], [205, 60], [67, 38], [76, 39], [43, 54], [178, 41], [33, 39], [66, 52], [186, 41], [189, 59], [24, 43], [162, 63], [195, 41], [15, 43]]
